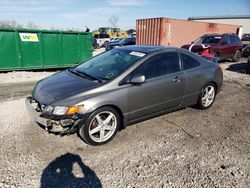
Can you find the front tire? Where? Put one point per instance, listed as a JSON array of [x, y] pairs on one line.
[[207, 96], [101, 126], [237, 56]]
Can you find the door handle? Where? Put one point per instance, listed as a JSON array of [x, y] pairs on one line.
[[176, 79]]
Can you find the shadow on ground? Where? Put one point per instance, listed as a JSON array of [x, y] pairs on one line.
[[240, 68], [59, 173]]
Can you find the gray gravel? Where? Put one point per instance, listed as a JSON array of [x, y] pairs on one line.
[[186, 148]]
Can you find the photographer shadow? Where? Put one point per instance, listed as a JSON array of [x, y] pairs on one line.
[[59, 173]]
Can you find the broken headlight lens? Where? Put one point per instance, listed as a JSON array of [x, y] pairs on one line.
[[47, 109]]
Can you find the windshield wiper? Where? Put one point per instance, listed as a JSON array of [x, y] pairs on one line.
[[83, 74], [88, 75]]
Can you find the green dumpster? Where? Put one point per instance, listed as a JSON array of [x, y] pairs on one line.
[[23, 49]]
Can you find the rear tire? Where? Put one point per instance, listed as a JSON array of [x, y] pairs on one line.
[[237, 56], [207, 96], [101, 126]]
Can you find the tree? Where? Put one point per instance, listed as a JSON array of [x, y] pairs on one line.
[[31, 25], [10, 24], [113, 20]]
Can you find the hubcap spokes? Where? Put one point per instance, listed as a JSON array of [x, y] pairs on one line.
[[102, 126], [208, 96]]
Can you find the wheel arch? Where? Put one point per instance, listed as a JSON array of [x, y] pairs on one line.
[[117, 109], [215, 84], [217, 52], [212, 82]]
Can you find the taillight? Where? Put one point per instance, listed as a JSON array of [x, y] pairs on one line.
[[207, 53]]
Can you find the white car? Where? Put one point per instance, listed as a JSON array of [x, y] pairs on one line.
[[102, 41]]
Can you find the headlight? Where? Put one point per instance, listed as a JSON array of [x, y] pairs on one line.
[[47, 109], [62, 110]]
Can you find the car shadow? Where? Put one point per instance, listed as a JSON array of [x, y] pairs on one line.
[[59, 173], [240, 68]]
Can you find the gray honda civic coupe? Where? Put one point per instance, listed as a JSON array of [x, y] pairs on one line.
[[120, 87]]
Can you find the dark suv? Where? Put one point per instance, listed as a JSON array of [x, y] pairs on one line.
[[246, 45], [124, 42], [225, 46]]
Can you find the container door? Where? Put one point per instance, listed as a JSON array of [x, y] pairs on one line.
[[51, 50], [85, 47], [70, 49], [30, 50], [8, 50]]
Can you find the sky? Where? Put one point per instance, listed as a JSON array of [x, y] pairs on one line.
[[95, 13]]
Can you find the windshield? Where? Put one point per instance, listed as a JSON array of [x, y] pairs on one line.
[[109, 65], [126, 40], [208, 40]]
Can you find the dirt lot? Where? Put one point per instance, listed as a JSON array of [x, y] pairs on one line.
[[186, 148]]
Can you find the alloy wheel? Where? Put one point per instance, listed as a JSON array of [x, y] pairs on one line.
[[208, 96], [102, 126]]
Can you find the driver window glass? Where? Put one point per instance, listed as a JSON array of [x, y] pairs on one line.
[[158, 65], [226, 40]]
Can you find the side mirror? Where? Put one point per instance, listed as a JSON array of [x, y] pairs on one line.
[[137, 79]]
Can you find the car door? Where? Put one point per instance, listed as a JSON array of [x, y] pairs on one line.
[[194, 78], [232, 46], [237, 45], [225, 47], [163, 89]]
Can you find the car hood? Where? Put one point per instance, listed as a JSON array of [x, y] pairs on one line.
[[61, 86]]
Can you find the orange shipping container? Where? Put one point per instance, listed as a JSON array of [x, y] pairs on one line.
[[173, 32]]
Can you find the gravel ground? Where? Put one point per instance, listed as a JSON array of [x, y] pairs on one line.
[[23, 76], [186, 148]]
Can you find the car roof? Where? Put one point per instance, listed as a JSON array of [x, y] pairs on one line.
[[214, 34], [129, 38], [218, 35], [145, 49]]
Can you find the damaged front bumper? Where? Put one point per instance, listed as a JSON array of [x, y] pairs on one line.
[[62, 125]]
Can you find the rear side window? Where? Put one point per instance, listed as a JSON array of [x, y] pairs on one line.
[[232, 39], [158, 65], [225, 40], [237, 39], [188, 62]]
